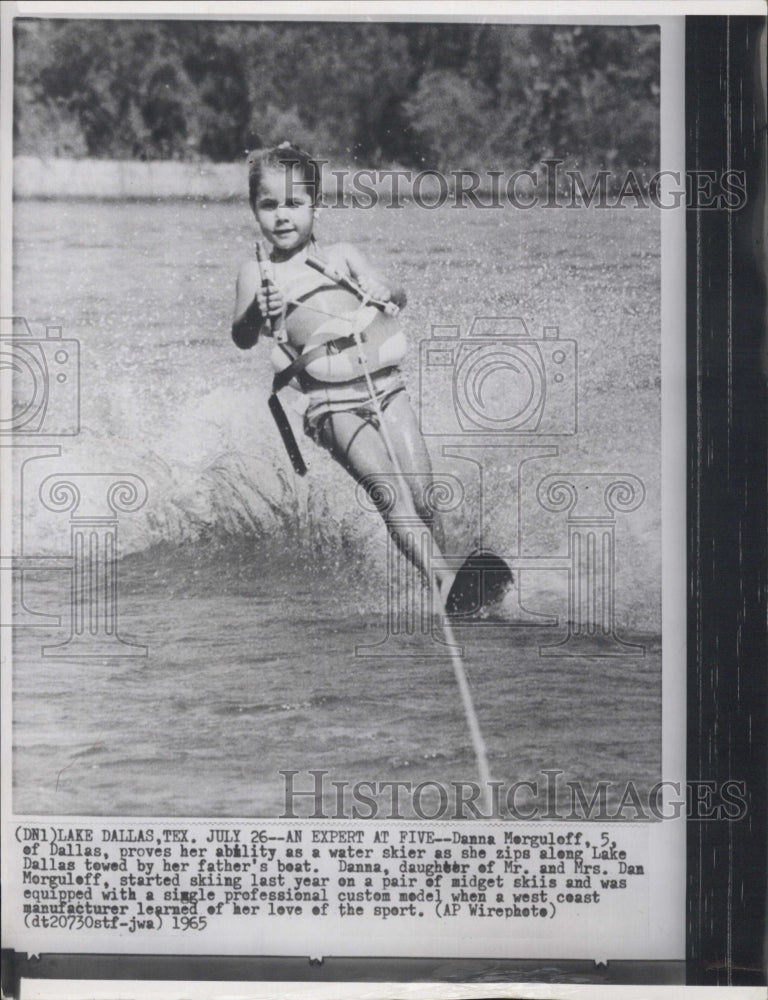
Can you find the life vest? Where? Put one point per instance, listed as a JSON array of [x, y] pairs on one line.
[[341, 349], [342, 346]]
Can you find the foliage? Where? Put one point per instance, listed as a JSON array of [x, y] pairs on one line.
[[448, 112], [434, 95]]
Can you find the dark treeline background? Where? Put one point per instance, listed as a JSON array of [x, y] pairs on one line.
[[419, 95]]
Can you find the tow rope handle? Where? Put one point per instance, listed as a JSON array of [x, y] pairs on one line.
[[321, 265], [267, 274]]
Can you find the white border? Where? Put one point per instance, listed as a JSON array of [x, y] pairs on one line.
[[541, 10], [673, 408], [107, 989]]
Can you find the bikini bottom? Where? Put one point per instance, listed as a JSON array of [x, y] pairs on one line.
[[355, 399]]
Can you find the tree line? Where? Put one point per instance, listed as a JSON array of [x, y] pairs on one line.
[[438, 96]]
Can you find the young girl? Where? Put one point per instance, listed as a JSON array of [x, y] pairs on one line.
[[330, 314]]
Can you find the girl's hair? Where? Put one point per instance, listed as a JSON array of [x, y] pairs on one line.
[[284, 155]]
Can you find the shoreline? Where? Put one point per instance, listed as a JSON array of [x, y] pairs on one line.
[[549, 184], [126, 180]]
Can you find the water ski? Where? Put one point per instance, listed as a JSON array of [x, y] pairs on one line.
[[482, 580]]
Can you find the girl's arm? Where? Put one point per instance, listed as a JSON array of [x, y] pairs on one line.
[[249, 319], [254, 306], [370, 279]]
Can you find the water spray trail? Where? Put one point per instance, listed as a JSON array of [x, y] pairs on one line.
[[478, 743]]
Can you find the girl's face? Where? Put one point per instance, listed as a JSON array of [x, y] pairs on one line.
[[284, 210]]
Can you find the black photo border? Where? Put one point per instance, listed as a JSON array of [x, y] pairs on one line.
[[727, 362], [727, 540]]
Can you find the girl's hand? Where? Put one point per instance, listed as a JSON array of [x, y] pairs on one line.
[[370, 280], [374, 288], [270, 301]]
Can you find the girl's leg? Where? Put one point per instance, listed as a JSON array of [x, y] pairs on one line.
[[358, 446], [412, 457], [410, 449]]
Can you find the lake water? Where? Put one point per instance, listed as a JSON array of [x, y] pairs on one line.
[[252, 590]]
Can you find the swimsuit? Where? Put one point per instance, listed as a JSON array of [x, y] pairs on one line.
[[356, 399], [328, 370]]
